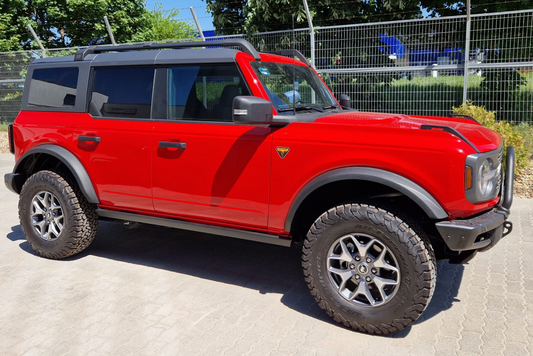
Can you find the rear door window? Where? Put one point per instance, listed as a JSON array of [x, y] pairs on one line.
[[123, 92], [53, 87]]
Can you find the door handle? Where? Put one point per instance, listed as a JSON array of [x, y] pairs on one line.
[[167, 144], [95, 139]]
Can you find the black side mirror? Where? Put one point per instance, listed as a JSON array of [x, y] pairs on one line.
[[345, 101], [250, 110]]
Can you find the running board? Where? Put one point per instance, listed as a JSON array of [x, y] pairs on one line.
[[184, 225]]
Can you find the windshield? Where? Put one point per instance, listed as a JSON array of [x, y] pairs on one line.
[[288, 84]]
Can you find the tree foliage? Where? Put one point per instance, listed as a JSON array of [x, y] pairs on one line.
[[230, 16], [249, 16], [439, 8], [164, 25], [68, 23]]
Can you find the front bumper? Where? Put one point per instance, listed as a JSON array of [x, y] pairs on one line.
[[14, 182], [476, 233], [485, 230]]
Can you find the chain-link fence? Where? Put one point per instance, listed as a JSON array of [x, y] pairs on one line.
[[412, 67]]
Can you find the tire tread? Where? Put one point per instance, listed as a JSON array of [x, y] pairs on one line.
[[419, 249]]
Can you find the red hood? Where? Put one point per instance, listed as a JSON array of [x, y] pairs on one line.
[[481, 137]]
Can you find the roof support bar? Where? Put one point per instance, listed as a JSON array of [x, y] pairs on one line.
[[243, 45]]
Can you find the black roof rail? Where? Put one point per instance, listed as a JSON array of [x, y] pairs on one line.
[[290, 53], [467, 117], [243, 45]]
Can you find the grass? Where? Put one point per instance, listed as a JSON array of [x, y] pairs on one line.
[[3, 127]]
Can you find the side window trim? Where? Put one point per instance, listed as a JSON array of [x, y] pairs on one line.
[[160, 94]]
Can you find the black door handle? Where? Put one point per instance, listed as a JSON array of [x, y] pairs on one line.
[[166, 144], [89, 139]]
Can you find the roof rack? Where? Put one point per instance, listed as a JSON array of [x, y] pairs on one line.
[[243, 45], [290, 53]]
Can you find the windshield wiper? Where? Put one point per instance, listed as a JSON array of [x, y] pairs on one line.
[[301, 108], [329, 107]]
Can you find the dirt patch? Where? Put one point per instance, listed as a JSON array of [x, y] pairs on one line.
[[4, 144], [523, 184]]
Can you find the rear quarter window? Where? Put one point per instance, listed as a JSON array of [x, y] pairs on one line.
[[53, 87]]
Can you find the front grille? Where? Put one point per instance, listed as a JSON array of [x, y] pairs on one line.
[[500, 176]]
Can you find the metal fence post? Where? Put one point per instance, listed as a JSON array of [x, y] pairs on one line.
[[467, 52], [312, 33], [108, 26], [37, 39], [197, 23]]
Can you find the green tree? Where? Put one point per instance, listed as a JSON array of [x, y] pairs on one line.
[[439, 8], [163, 25], [230, 16], [64, 23], [12, 24]]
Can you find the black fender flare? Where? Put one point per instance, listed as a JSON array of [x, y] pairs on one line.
[[73, 164], [405, 186]]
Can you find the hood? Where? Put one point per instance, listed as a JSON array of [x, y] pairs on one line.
[[475, 134]]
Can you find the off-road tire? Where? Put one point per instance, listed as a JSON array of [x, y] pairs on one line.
[[416, 263], [80, 218]]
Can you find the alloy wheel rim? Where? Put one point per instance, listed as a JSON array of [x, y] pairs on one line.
[[47, 215], [363, 270]]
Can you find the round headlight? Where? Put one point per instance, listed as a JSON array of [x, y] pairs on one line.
[[487, 171]]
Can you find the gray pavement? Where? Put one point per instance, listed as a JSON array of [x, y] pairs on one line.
[[157, 291]]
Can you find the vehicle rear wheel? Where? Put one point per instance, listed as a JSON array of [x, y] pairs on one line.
[[368, 269], [55, 216]]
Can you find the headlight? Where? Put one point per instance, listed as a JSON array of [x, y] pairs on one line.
[[487, 172], [483, 176]]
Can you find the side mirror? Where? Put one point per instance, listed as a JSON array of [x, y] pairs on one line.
[[251, 110], [345, 101]]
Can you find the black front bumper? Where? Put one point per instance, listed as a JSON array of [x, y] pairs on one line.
[[485, 230], [14, 182], [476, 233]]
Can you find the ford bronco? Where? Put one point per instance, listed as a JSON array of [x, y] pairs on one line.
[[218, 138]]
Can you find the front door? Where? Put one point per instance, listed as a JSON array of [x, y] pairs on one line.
[[206, 168]]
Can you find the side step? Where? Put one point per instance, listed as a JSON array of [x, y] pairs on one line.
[[184, 225]]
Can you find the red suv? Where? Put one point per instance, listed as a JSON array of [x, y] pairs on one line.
[[255, 146]]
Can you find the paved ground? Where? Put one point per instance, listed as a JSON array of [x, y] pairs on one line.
[[157, 291]]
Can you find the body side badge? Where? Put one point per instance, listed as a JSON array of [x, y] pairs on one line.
[[282, 151]]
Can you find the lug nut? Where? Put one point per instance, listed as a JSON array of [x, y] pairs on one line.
[[357, 276], [374, 270], [368, 259], [357, 258], [352, 266], [368, 279]]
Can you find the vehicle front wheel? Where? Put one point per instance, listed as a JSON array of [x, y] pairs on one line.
[[368, 269], [55, 216]]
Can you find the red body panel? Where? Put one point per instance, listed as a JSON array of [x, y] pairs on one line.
[[120, 164], [222, 175]]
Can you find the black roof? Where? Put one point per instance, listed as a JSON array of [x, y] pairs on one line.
[[147, 54], [151, 53]]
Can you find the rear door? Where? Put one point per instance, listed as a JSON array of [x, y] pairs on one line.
[[205, 167], [113, 140]]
